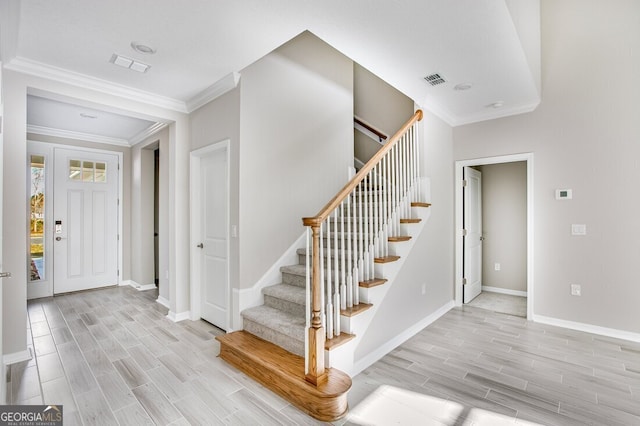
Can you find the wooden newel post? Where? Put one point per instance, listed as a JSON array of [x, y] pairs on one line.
[[317, 373]]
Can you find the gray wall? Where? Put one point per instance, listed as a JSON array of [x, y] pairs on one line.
[[379, 104], [296, 129], [584, 136], [217, 121], [504, 225]]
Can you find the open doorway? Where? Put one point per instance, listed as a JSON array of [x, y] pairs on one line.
[[494, 257]]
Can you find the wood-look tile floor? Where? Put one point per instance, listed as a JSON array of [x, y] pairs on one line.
[[112, 357]]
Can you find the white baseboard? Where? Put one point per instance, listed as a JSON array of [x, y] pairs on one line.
[[125, 283], [12, 358], [504, 291], [588, 328], [180, 316], [164, 302], [399, 339], [139, 287]]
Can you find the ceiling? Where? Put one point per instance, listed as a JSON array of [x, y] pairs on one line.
[[203, 45]]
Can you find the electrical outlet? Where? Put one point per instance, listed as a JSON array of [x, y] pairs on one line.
[[496, 266], [576, 290]]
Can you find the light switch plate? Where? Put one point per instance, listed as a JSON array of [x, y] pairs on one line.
[[578, 229]]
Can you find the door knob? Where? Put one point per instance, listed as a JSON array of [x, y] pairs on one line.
[[5, 274], [200, 245], [59, 238]]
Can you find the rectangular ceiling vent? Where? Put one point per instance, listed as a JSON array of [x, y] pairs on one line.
[[435, 79]]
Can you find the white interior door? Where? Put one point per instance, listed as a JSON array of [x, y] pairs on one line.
[[85, 210], [472, 269], [214, 239]]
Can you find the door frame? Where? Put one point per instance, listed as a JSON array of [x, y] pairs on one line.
[[194, 238], [48, 150], [526, 157]]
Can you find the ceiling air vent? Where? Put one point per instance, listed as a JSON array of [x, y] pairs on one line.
[[435, 79]]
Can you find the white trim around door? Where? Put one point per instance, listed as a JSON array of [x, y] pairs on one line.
[[528, 158], [47, 150], [196, 192]]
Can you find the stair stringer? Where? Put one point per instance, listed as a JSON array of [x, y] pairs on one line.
[[343, 357]]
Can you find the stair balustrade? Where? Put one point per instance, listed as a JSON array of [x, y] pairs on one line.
[[351, 233]]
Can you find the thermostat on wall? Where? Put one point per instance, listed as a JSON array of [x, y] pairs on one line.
[[564, 194]]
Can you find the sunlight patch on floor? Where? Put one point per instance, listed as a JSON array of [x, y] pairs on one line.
[[389, 405]]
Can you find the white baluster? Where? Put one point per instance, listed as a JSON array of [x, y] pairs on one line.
[[343, 262], [307, 300], [365, 202], [329, 307], [323, 317], [349, 253], [336, 318]]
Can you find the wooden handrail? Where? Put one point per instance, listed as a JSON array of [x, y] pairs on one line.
[[315, 371], [369, 127], [359, 177]]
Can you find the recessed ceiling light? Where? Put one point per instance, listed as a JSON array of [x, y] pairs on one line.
[[86, 115], [129, 63], [142, 48], [463, 86], [498, 104]]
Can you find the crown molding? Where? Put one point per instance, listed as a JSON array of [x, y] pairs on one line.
[[147, 133], [38, 69], [217, 89], [68, 134]]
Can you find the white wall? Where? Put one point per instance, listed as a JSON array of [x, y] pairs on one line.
[[3, 379], [431, 260], [504, 225], [296, 129], [584, 136]]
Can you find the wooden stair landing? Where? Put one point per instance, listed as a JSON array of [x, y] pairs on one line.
[[283, 373]]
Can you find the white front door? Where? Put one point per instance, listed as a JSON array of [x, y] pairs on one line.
[[85, 213], [214, 219], [472, 269]]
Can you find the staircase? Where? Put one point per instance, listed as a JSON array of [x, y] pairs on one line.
[[320, 296]]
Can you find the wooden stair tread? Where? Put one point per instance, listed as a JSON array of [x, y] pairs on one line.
[[410, 220], [399, 238], [386, 259], [283, 373], [340, 340], [372, 283], [355, 310], [418, 204]]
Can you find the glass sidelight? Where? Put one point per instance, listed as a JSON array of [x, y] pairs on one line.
[[37, 219]]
